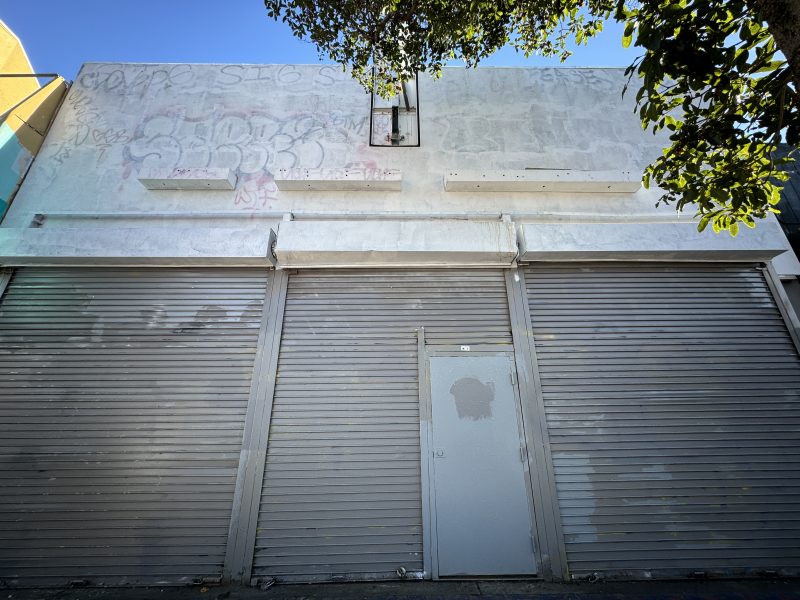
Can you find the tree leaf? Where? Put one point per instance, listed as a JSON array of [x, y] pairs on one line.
[[627, 35]]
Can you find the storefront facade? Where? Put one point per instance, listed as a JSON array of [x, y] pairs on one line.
[[239, 343]]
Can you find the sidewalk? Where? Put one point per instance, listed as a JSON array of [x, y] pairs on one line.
[[426, 590]]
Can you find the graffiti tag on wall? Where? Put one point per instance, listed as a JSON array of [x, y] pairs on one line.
[[253, 143]]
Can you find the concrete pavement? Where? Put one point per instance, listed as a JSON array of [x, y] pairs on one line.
[[426, 590]]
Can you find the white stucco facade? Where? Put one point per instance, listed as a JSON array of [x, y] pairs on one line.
[[550, 146]]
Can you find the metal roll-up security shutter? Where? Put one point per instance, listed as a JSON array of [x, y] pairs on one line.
[[672, 395], [341, 495], [122, 400]]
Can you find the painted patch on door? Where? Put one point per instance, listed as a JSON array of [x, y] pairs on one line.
[[473, 399]]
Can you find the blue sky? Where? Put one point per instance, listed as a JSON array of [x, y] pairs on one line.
[[60, 35]]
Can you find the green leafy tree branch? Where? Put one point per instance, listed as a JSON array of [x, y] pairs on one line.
[[722, 76]]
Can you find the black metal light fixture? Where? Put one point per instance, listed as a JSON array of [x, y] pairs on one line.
[[395, 121]]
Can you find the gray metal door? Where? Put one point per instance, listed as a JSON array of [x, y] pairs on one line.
[[123, 395], [672, 395], [483, 519]]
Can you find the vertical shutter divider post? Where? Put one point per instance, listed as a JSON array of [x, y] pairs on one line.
[[250, 474]]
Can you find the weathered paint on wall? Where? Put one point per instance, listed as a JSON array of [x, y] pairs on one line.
[[120, 119], [256, 120], [26, 110]]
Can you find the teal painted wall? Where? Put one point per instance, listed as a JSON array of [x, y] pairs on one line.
[[14, 160]]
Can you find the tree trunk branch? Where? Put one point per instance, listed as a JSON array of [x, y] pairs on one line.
[[783, 19]]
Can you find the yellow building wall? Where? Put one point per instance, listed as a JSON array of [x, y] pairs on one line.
[[26, 111], [14, 60]]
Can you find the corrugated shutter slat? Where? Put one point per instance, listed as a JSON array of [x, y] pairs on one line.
[[672, 395], [123, 394]]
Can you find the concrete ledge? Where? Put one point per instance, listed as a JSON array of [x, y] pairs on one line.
[[188, 179], [176, 246], [786, 265], [647, 241], [395, 243], [293, 180], [543, 180]]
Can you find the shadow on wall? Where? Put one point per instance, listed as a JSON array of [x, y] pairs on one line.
[[22, 132], [789, 204]]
